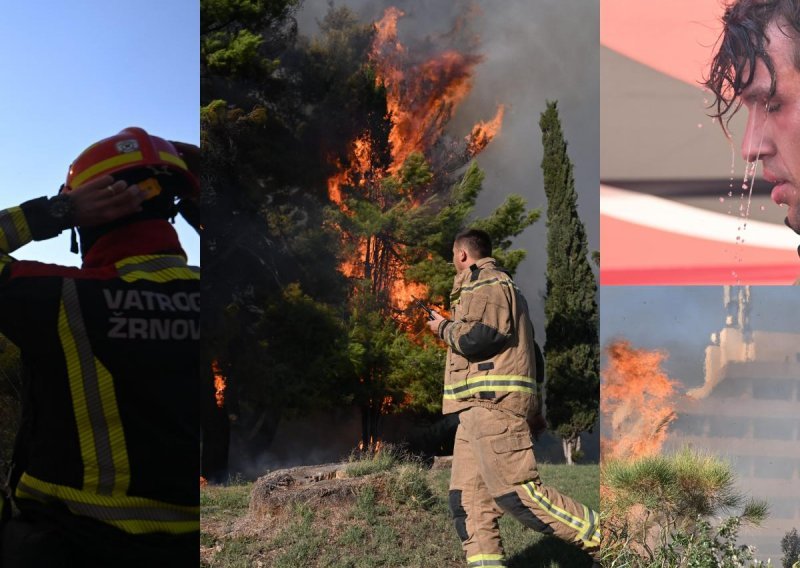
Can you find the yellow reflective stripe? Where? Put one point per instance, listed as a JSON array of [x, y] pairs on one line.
[[488, 282], [592, 532], [85, 435], [173, 159], [582, 526], [489, 383], [116, 434], [132, 514], [102, 439], [156, 268], [14, 229], [107, 164], [494, 560]]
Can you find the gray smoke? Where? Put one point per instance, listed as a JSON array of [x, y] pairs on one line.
[[535, 50]]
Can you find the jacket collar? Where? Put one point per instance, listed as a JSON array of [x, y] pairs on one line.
[[154, 236], [464, 275]]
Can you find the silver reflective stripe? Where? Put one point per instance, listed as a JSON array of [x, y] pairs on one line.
[[8, 229], [109, 513], [91, 387], [153, 265]]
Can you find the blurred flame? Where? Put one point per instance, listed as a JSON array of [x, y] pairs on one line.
[[636, 400], [220, 384]]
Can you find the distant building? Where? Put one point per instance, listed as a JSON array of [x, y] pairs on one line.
[[748, 410]]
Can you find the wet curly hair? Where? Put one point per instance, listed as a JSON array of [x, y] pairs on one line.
[[743, 41]]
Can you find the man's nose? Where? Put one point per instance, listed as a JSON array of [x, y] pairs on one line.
[[757, 141]]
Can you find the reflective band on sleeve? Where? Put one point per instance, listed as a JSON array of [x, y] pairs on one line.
[[102, 440], [156, 268], [486, 383], [135, 515], [14, 229], [486, 560], [108, 164], [586, 528]]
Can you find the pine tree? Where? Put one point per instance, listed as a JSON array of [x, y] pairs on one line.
[[572, 354]]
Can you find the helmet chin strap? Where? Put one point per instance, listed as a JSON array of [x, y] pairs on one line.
[[73, 243]]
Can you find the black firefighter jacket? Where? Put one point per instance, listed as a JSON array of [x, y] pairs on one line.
[[111, 353]]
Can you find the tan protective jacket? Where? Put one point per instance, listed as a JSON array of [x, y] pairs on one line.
[[491, 360]]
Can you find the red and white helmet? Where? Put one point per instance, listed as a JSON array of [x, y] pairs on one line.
[[134, 152]]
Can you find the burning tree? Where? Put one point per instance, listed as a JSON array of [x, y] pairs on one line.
[[399, 204], [334, 194], [572, 354]]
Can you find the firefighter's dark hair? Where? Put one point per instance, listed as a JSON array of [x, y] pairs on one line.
[[477, 242], [742, 43]]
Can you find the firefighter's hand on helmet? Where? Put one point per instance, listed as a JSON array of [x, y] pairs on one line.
[[104, 200], [191, 155]]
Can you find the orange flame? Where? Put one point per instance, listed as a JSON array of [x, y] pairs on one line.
[[636, 401], [219, 384], [483, 132], [422, 96]]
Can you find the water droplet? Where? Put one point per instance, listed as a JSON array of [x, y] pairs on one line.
[[722, 200], [738, 238], [744, 185], [699, 125], [730, 193], [763, 208]]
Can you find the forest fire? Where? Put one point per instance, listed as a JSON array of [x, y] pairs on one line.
[[220, 384], [635, 401], [422, 94]]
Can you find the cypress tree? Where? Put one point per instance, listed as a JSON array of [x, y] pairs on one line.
[[572, 354]]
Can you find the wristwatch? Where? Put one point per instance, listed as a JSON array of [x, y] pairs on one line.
[[62, 209]]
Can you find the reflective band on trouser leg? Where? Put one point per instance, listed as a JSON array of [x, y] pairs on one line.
[[493, 383], [136, 515], [14, 230], [469, 496], [102, 440], [583, 528], [156, 268], [486, 560]]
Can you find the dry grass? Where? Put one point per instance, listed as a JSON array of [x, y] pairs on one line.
[[394, 517]]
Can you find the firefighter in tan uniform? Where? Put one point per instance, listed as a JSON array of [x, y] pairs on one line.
[[491, 382]]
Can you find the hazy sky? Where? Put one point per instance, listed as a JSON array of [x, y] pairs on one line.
[[76, 72], [680, 320], [535, 50]]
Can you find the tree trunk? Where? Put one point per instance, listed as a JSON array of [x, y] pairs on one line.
[[570, 447]]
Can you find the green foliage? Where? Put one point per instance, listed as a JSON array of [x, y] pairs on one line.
[[790, 546], [572, 353], [656, 510]]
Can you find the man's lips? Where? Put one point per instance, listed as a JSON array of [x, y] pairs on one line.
[[780, 192]]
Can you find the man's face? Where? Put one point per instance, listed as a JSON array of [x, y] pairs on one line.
[[773, 124]]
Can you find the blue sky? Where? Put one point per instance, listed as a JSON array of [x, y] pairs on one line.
[[76, 72]]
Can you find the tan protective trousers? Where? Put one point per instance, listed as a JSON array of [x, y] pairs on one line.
[[494, 472]]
